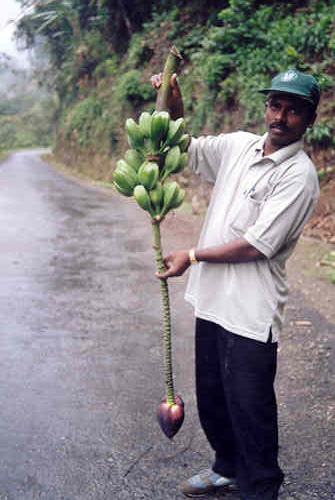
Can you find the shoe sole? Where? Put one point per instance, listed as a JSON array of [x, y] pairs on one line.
[[215, 489]]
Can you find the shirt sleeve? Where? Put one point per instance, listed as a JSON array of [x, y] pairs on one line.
[[206, 154], [283, 215]]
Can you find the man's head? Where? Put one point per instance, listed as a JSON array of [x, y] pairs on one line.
[[291, 105]]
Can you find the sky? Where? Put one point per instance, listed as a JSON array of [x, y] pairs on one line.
[[10, 10]]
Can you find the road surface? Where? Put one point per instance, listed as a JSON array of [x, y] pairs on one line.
[[81, 354]]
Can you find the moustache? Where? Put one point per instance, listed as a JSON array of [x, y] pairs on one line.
[[279, 125]]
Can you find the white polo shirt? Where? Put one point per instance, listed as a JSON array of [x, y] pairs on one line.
[[266, 200]]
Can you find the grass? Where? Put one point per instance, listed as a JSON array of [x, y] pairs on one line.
[[4, 155], [314, 256]]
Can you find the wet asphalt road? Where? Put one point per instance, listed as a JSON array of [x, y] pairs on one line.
[[80, 345], [81, 355]]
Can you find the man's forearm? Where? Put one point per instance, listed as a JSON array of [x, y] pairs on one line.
[[233, 252]]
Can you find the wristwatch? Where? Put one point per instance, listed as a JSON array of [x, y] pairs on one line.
[[192, 257]]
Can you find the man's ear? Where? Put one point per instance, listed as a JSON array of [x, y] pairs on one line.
[[312, 120]]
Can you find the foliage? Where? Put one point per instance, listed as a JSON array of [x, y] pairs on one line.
[[139, 51], [102, 53], [30, 128], [107, 68], [325, 173], [241, 46], [131, 89], [81, 120], [322, 134], [92, 49], [217, 68], [8, 132], [27, 116], [328, 261], [8, 107]]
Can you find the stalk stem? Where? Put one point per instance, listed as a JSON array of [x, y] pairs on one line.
[[172, 63], [169, 390]]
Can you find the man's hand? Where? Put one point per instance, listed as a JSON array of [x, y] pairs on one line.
[[156, 80], [176, 264], [233, 252], [174, 102]]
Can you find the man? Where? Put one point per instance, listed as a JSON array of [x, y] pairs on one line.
[[265, 190]]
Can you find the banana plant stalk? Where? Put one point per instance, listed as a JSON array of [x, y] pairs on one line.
[[170, 412], [171, 65], [143, 175]]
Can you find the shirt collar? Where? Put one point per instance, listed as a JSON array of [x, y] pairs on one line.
[[281, 154]]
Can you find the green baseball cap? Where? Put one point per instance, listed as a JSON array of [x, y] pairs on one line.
[[294, 82]]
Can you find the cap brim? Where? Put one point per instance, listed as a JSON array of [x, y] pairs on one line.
[[282, 91]]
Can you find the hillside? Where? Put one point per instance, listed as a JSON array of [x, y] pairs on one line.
[[101, 57], [26, 109]]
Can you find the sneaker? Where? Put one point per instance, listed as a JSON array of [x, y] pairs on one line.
[[204, 482]]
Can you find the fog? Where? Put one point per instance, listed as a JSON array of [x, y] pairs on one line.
[[9, 13]]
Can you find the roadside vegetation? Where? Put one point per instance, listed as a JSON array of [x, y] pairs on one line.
[[26, 110], [101, 54]]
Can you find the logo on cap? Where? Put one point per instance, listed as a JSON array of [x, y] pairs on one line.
[[289, 76]]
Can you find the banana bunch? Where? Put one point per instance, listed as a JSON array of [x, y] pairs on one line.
[[158, 150]]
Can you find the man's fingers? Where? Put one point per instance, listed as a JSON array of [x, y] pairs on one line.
[[173, 80], [166, 274], [176, 264], [167, 266], [167, 261], [163, 276], [156, 80]]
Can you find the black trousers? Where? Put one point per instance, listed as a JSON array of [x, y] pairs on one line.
[[237, 408]]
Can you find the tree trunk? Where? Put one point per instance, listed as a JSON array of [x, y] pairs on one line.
[[125, 17]]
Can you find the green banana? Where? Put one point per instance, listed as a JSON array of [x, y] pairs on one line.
[[170, 193], [142, 197], [176, 131], [171, 160], [127, 171], [135, 136], [148, 174], [165, 118], [183, 143], [145, 123], [125, 178], [157, 197], [123, 190], [159, 127], [182, 163], [134, 158], [123, 182], [178, 199]]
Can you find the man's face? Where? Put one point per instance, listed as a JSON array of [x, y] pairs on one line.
[[286, 118]]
